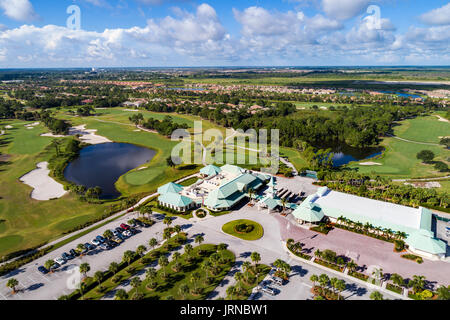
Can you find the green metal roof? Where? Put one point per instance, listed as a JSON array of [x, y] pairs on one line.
[[210, 170], [175, 199], [309, 212], [423, 240], [232, 169], [170, 187], [426, 219], [271, 203]]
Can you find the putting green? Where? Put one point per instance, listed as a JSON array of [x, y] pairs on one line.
[[256, 233]]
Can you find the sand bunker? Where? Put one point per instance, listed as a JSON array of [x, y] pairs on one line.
[[86, 135], [44, 187], [8, 127], [442, 119], [370, 164], [131, 110]]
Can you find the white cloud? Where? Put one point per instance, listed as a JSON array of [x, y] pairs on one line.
[[344, 9], [439, 16], [20, 10], [195, 35]]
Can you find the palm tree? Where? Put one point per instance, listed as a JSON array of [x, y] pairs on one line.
[[340, 286], [352, 266], [108, 234], [128, 256], [12, 284], [49, 264], [177, 229], [324, 280], [98, 277], [314, 278], [141, 250], [121, 294], [153, 243], [199, 239], [238, 276], [231, 290], [256, 257], [113, 267], [397, 279], [150, 277], [167, 221], [163, 262], [443, 293], [135, 282], [417, 283], [85, 268], [146, 210], [376, 296], [183, 290], [246, 267], [318, 253], [81, 247], [206, 266], [195, 277]]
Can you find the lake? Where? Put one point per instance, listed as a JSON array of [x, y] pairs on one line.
[[344, 154], [102, 164]]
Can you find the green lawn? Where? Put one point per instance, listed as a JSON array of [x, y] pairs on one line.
[[27, 222], [423, 129], [255, 234], [399, 160], [174, 279]]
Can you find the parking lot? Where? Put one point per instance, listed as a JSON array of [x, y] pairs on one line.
[[34, 285]]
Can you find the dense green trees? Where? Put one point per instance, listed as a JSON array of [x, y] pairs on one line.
[[426, 156]]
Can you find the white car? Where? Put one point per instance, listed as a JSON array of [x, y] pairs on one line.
[[268, 290], [95, 242], [126, 233], [60, 260]]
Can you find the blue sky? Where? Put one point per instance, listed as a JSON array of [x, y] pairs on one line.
[[138, 33]]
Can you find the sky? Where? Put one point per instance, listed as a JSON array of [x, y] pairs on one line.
[[183, 33]]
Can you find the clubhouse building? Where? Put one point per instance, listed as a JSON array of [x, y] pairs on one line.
[[219, 189], [415, 223]]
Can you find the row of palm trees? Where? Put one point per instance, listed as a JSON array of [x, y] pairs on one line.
[[334, 284], [368, 228]]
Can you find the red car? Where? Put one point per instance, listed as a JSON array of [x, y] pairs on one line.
[[125, 226]]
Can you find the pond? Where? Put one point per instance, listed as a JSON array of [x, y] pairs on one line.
[[102, 164], [344, 154]]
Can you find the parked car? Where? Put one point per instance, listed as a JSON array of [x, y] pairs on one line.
[[268, 290], [117, 240], [104, 246], [119, 229], [125, 226], [55, 266], [60, 260], [43, 270], [127, 233], [134, 231], [111, 243], [100, 239], [278, 281], [67, 256], [89, 246], [95, 242], [74, 253]]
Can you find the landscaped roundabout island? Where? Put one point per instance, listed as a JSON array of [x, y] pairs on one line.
[[244, 229]]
